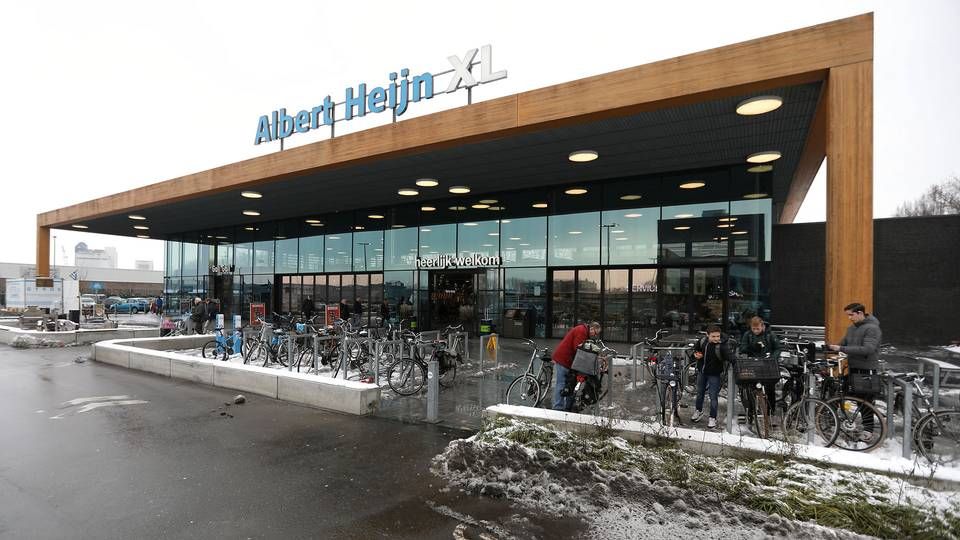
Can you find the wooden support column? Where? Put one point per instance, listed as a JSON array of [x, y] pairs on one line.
[[849, 249], [43, 251]]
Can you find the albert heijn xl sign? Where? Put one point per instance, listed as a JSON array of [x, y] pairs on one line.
[[396, 96]]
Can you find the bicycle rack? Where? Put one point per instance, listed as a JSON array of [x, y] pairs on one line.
[[433, 391], [938, 368], [907, 413]]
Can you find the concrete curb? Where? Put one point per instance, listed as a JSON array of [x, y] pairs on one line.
[[148, 354], [78, 337], [723, 444]]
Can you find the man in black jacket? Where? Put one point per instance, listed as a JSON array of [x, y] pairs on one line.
[[713, 355], [861, 344]]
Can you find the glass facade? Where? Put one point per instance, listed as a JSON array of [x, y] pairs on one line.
[[635, 254]]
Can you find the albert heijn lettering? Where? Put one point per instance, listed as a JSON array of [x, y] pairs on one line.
[[397, 96]]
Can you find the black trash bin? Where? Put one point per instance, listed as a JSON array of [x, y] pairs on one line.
[[74, 315]]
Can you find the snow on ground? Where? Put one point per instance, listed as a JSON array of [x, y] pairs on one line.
[[626, 490], [953, 348]]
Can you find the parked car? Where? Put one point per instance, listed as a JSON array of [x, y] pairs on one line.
[[111, 300], [129, 306]]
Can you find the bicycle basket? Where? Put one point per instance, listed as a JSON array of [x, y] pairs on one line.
[[585, 362], [756, 369], [666, 368], [863, 383]]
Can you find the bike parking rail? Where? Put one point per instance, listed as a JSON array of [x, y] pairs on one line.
[[938, 368], [907, 413], [731, 398]]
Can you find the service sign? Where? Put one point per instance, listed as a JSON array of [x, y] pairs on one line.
[[396, 96]]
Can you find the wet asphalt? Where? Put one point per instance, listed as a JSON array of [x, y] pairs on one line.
[[187, 465]]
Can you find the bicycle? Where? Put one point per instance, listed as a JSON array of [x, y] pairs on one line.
[[270, 344], [862, 427], [530, 388], [588, 388], [936, 433], [222, 346], [407, 375], [753, 397], [808, 419]]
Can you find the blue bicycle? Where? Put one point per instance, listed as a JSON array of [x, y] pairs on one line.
[[222, 346]]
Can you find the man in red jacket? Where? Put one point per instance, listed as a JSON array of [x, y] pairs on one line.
[[563, 358]]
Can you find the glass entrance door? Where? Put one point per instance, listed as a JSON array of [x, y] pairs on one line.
[[453, 299], [693, 298]]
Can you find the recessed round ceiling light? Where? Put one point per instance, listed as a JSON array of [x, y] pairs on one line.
[[487, 245], [683, 216], [316, 224], [141, 227], [632, 215], [143, 236], [760, 168], [457, 208], [279, 237], [312, 221], [540, 205], [575, 191], [576, 232], [479, 206], [495, 208], [630, 197], [493, 234], [488, 201], [459, 189], [137, 217], [397, 226], [583, 156], [724, 226], [755, 195], [759, 105], [78, 226], [515, 238], [682, 228], [359, 227], [692, 185], [504, 221], [523, 244], [728, 219], [251, 213], [739, 232], [407, 192], [220, 237], [427, 208], [469, 224], [251, 194], [249, 229], [375, 216], [425, 230], [427, 182], [763, 157]]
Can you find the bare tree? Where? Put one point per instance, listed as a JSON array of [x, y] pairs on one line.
[[941, 199]]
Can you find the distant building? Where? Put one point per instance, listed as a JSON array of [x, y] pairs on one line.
[[85, 257], [143, 265], [108, 281]]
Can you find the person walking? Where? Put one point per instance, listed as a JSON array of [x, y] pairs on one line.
[[307, 308], [197, 315], [861, 344], [384, 312], [713, 355], [357, 312], [159, 303], [344, 310], [563, 359], [210, 307]]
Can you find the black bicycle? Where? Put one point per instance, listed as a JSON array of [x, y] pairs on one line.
[[407, 375]]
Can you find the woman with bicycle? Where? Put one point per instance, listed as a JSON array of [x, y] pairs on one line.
[[760, 342], [713, 355], [563, 359]]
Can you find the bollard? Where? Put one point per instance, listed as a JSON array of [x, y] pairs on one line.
[[907, 420], [811, 384], [936, 386], [731, 396], [290, 338], [433, 390], [890, 411], [344, 357], [377, 352], [316, 342]]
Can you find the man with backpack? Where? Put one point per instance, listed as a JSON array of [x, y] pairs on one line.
[[713, 355]]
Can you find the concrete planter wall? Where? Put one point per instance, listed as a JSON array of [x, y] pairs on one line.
[[79, 337], [322, 392]]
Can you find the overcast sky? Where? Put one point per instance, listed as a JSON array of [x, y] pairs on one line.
[[102, 97]]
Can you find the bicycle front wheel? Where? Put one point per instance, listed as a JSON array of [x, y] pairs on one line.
[[810, 421], [762, 414], [210, 349], [862, 427], [545, 379], [406, 377], [449, 374], [937, 437], [524, 391], [256, 353]]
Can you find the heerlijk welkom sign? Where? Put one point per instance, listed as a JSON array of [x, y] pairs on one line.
[[396, 96]]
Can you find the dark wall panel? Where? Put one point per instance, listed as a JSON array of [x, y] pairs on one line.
[[916, 277]]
